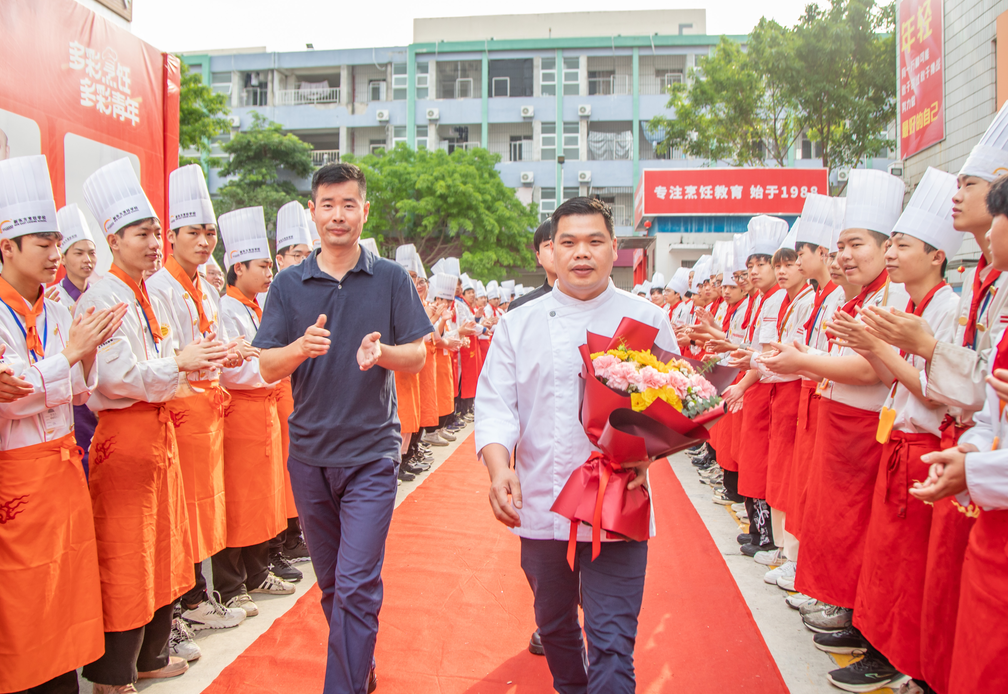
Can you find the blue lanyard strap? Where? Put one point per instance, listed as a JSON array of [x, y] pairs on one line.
[[983, 307], [157, 350], [24, 333]]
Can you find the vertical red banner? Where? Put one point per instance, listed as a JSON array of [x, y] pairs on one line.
[[172, 95], [921, 67]]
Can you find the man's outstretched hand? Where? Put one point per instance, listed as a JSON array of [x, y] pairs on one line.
[[369, 352]]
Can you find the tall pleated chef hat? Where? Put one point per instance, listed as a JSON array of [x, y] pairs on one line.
[[740, 253], [819, 221], [316, 242], [874, 201], [480, 289], [442, 286], [989, 158], [115, 198], [371, 245], [188, 198], [292, 226], [73, 226], [26, 198], [519, 290], [722, 254], [646, 288], [637, 289], [466, 282], [680, 281], [507, 290], [928, 215], [765, 234], [243, 232], [701, 272], [789, 238], [841, 212], [493, 290], [658, 280], [451, 267]]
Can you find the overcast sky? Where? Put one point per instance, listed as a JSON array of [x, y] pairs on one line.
[[287, 25]]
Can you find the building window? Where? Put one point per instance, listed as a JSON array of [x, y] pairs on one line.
[[517, 73], [548, 77], [521, 147], [458, 79], [666, 78], [376, 146], [548, 142], [422, 81], [398, 134], [399, 83], [220, 82], [547, 203], [571, 141], [376, 90], [571, 192], [600, 82], [571, 76], [501, 86], [421, 137]]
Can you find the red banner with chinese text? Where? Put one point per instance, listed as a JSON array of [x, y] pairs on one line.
[[920, 75], [729, 191]]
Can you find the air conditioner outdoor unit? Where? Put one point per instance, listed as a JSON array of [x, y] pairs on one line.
[[235, 121], [382, 115], [527, 111], [527, 177], [896, 169], [584, 110], [433, 114], [584, 176], [842, 175]]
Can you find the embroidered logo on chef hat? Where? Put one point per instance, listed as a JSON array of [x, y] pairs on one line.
[[292, 226], [73, 225], [26, 198], [243, 232], [989, 158], [765, 234], [928, 215], [115, 197], [874, 201], [188, 198], [443, 286]]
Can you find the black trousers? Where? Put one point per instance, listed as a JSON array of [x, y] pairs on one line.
[[292, 532], [239, 569], [62, 684], [126, 652], [198, 593]]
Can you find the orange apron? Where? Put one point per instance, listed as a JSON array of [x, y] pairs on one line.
[[51, 623], [408, 401], [199, 432], [253, 468], [144, 554], [285, 407], [428, 389], [445, 382]]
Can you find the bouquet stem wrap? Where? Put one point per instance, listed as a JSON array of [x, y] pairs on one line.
[[596, 493]]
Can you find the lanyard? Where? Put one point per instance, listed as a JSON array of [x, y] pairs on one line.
[[24, 333], [157, 348]]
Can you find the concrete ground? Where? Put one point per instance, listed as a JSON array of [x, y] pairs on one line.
[[802, 665]]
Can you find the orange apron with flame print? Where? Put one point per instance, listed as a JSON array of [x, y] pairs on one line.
[[52, 622], [253, 468], [408, 401], [144, 554], [285, 407]]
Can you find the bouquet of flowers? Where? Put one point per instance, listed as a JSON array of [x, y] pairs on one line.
[[639, 402]]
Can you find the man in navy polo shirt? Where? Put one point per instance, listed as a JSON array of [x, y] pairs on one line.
[[344, 431]]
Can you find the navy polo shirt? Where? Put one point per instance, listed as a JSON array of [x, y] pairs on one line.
[[343, 416]]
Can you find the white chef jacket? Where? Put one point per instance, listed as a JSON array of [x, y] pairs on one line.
[[46, 414], [130, 366], [819, 340], [765, 318], [736, 333], [987, 471], [529, 394], [683, 313], [239, 319], [64, 298], [793, 328]]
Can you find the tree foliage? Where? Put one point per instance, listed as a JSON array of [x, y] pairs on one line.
[[448, 205], [832, 75], [202, 115], [263, 163]]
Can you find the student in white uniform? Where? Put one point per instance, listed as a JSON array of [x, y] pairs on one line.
[[675, 293], [293, 237], [79, 256]]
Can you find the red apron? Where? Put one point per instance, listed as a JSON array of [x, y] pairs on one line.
[[484, 346], [840, 490], [783, 430], [981, 645], [199, 432], [755, 444], [144, 555], [445, 382], [470, 364], [728, 427], [801, 464], [890, 590], [50, 608], [408, 401], [253, 468], [285, 407], [736, 438], [428, 388]]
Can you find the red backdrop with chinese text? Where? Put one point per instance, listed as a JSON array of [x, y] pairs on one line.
[[921, 79]]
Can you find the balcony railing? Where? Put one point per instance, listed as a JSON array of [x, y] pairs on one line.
[[452, 146], [521, 150], [254, 96], [321, 157], [611, 84], [300, 96]]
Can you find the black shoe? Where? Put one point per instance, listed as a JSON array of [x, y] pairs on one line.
[[704, 461], [296, 551], [535, 644], [405, 476], [282, 568], [847, 641], [744, 539], [750, 550], [372, 681], [412, 468], [866, 675]]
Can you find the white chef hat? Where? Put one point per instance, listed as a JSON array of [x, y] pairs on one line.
[[442, 286], [480, 289], [451, 267], [729, 279], [418, 267], [507, 290], [493, 289], [658, 280], [740, 253], [26, 198], [766, 234], [928, 215], [405, 254], [73, 226], [646, 287], [292, 226], [840, 213], [466, 282], [244, 234], [791, 236], [989, 158], [371, 245], [874, 201], [188, 198], [115, 198], [637, 289], [519, 289], [316, 242], [819, 221], [722, 253], [680, 281], [701, 272]]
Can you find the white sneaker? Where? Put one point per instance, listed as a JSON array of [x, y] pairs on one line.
[[798, 600], [433, 439], [210, 614], [274, 585], [180, 642], [243, 602], [446, 435], [786, 579], [771, 576], [772, 557]]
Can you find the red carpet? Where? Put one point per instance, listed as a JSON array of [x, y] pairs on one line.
[[458, 611]]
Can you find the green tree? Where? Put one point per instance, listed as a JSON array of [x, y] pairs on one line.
[[202, 115], [448, 205], [263, 160]]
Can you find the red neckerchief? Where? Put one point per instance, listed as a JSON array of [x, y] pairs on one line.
[[919, 310], [253, 304], [783, 313], [873, 286], [716, 305], [726, 323], [820, 297], [762, 300], [176, 271], [980, 289], [1001, 358], [748, 312], [140, 294], [16, 303]]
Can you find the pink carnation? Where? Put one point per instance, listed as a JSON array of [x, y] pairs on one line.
[[604, 364], [653, 378], [679, 382], [703, 387], [620, 375]]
